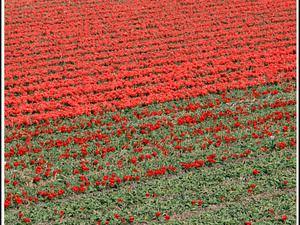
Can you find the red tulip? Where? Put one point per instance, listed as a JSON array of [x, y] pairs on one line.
[[284, 217]]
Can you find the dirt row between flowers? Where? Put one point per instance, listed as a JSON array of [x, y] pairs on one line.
[[223, 183], [208, 209], [217, 165], [212, 208]]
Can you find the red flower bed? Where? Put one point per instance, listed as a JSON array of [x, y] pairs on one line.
[[65, 65]]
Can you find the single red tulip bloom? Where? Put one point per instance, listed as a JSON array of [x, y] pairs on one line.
[[167, 217], [284, 218]]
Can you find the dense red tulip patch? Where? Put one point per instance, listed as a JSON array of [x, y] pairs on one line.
[[150, 112], [67, 59]]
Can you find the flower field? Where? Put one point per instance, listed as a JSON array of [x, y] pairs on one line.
[[150, 112]]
